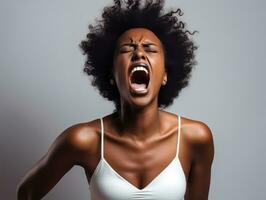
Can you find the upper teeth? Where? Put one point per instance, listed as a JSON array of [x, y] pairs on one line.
[[139, 69]]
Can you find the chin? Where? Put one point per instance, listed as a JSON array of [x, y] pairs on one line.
[[141, 101]]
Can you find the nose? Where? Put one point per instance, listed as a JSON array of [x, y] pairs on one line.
[[138, 54]]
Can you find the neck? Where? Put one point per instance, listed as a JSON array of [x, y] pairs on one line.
[[141, 123]]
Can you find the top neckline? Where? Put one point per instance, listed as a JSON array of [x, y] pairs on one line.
[[156, 177]]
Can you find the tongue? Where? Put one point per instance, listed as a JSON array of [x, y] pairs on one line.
[[138, 87]]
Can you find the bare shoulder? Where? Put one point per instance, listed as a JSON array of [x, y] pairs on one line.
[[197, 132], [80, 137], [194, 131], [199, 137]]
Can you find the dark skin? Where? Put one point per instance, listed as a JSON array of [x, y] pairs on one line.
[[146, 147]]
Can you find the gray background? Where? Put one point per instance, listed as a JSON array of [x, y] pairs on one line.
[[43, 89]]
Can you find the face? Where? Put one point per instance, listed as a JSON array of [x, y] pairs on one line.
[[138, 67]]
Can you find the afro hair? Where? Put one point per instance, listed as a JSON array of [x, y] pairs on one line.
[[178, 45]]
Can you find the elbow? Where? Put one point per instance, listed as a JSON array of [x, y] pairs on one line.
[[23, 192]]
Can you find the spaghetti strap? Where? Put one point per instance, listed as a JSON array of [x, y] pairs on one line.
[[105, 178], [102, 135], [179, 133]]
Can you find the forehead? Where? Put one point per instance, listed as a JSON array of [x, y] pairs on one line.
[[138, 35]]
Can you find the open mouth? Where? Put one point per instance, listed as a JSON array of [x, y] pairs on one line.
[[139, 78]]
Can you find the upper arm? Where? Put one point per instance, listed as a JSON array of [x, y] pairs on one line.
[[203, 154], [65, 152]]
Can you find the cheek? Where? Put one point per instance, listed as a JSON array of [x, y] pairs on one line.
[[120, 68], [159, 65], [120, 62]]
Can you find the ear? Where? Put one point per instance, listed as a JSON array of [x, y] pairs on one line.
[[164, 79]]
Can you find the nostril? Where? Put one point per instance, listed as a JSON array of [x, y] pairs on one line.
[[138, 55]]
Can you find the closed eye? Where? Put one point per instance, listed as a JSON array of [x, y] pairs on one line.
[[150, 48], [126, 48]]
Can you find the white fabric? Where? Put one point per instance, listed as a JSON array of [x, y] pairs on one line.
[[107, 184]]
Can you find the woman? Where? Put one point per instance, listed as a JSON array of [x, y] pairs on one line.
[[140, 58]]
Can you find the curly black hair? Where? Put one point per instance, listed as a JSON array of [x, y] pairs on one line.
[[100, 44]]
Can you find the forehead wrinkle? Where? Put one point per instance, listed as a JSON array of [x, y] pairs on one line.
[[140, 38], [131, 40]]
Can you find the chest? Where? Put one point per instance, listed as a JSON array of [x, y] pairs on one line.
[[107, 183], [139, 164]]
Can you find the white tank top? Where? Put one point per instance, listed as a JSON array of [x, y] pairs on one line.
[[107, 184]]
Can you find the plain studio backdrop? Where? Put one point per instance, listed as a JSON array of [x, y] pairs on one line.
[[43, 89]]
